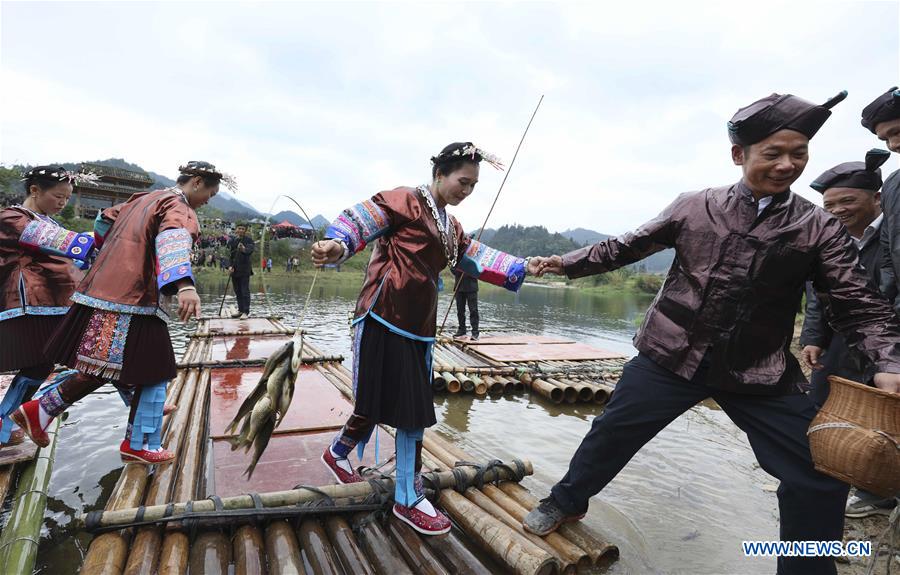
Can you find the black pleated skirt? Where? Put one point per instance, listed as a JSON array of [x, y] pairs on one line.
[[22, 340], [393, 382], [148, 356]]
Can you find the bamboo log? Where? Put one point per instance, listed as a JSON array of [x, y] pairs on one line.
[[190, 467], [145, 550], [249, 550], [601, 396], [282, 550], [21, 536], [522, 557], [570, 394], [453, 384], [548, 390], [465, 381], [584, 391], [416, 553], [170, 563], [442, 480], [455, 555], [317, 548], [210, 554], [382, 555], [352, 557], [578, 533], [568, 552], [224, 363], [493, 510], [438, 383], [480, 387]]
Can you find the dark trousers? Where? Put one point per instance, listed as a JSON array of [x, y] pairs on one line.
[[242, 292], [648, 397], [470, 298]]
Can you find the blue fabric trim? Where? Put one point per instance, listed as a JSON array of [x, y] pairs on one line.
[[173, 251], [397, 330], [101, 225], [98, 303], [148, 417], [405, 475], [21, 388], [33, 310]]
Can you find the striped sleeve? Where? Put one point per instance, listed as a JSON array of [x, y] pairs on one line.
[[492, 266], [55, 240], [173, 254]]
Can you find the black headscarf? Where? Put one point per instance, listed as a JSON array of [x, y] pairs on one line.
[[860, 175], [766, 116], [884, 107]]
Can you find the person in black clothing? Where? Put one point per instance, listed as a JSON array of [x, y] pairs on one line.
[[851, 193], [241, 247], [466, 294]]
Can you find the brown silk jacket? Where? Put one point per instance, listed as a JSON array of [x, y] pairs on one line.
[[146, 244], [45, 278], [735, 287]]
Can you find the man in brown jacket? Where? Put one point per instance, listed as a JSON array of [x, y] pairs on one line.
[[722, 324]]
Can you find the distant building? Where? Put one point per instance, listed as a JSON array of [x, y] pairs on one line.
[[115, 186]]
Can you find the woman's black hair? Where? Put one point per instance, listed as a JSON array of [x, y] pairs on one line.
[[208, 181], [447, 162], [44, 177]]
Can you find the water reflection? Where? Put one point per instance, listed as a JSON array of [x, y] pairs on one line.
[[682, 505]]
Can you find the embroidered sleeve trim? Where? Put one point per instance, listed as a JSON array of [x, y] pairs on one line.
[[358, 225], [493, 266], [173, 252], [98, 303], [53, 239]]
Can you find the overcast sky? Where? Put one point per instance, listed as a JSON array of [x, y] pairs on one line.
[[332, 102]]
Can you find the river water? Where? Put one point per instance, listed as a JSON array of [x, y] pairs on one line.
[[683, 505]]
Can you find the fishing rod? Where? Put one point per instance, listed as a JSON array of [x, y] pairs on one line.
[[496, 197]]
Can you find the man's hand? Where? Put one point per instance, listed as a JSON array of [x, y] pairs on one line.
[[811, 355], [188, 304], [552, 264], [241, 247], [231, 270], [326, 252], [889, 382]]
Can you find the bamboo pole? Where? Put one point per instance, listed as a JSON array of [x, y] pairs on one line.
[[579, 534], [177, 551], [210, 554], [442, 480], [601, 396], [21, 536], [584, 391], [225, 363], [438, 383], [480, 387], [467, 383], [453, 384], [455, 555], [317, 548], [170, 563], [282, 550], [570, 394], [548, 390], [568, 552], [145, 550], [7, 472], [249, 551], [341, 536], [416, 553], [382, 555], [522, 557]]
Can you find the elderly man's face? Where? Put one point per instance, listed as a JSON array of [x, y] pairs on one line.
[[772, 165], [855, 208]]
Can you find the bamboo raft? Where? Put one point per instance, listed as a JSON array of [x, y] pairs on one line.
[[25, 470], [218, 521], [555, 368]]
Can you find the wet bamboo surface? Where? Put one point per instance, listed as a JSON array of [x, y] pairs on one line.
[[487, 537], [460, 368]]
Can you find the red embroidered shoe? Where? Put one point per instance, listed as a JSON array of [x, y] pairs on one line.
[[339, 473], [145, 456], [16, 437], [28, 419], [421, 521]]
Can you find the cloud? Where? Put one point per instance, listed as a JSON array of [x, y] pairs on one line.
[[333, 102]]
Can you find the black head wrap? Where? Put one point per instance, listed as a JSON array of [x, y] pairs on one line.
[[764, 117], [884, 107], [205, 169], [53, 173], [860, 175], [466, 151]]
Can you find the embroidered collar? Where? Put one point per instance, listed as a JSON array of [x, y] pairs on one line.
[[445, 227]]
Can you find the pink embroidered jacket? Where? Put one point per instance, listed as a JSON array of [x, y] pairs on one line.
[[37, 275], [145, 248]]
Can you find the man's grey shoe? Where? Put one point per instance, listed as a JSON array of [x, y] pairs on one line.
[[864, 504], [547, 517]]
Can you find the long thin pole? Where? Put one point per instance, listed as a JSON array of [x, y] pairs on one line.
[[496, 197]]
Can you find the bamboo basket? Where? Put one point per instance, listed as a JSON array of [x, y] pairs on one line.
[[856, 437]]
